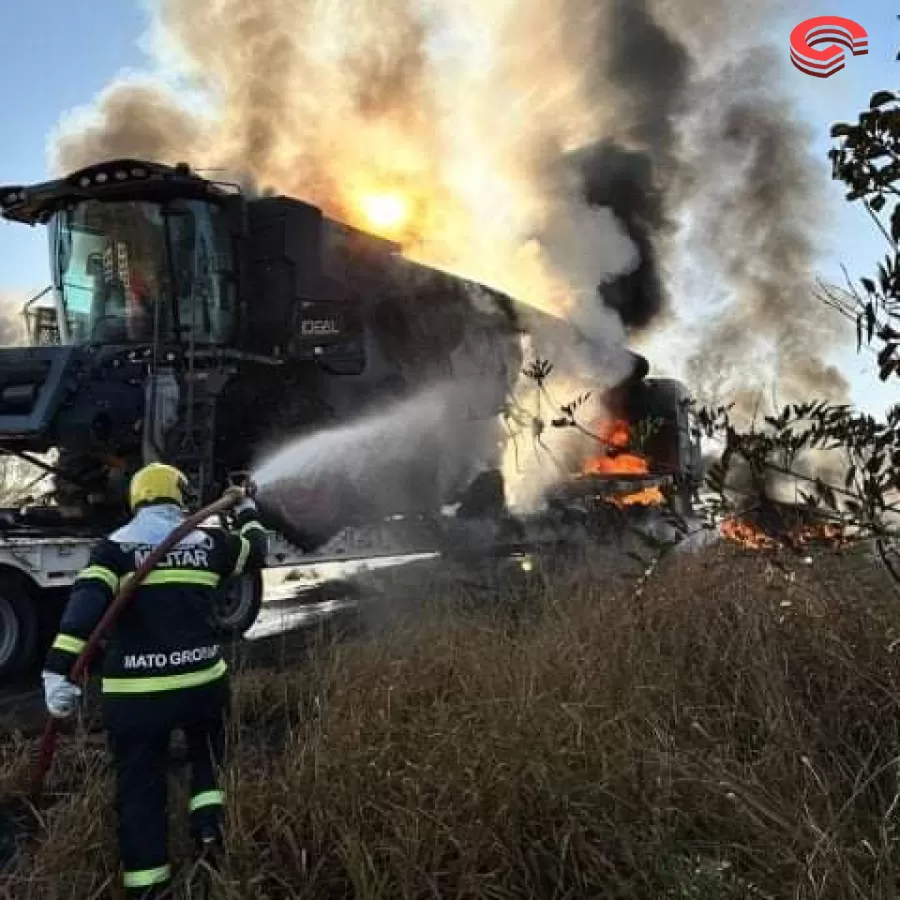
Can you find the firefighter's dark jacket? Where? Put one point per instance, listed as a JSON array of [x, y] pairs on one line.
[[164, 639]]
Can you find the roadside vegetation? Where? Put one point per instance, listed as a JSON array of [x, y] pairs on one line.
[[730, 730], [864, 496]]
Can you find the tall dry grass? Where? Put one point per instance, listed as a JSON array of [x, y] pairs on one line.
[[731, 732]]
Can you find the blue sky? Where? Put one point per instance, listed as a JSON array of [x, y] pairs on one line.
[[851, 240], [64, 53]]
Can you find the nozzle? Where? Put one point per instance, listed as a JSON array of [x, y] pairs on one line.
[[245, 482], [234, 493]]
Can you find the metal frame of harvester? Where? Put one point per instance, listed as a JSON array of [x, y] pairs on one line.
[[192, 323]]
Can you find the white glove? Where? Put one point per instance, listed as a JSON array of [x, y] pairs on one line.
[[61, 696], [244, 505]]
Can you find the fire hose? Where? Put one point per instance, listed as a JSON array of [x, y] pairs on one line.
[[50, 737]]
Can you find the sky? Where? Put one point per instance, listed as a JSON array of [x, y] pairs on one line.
[[67, 51], [64, 53], [852, 241]]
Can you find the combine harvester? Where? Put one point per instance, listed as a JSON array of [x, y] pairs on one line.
[[191, 323]]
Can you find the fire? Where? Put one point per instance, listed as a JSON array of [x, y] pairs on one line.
[[386, 213], [832, 533], [616, 435], [616, 432], [428, 124], [651, 496], [748, 535], [623, 464]]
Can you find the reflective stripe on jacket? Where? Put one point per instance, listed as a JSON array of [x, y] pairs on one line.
[[165, 638]]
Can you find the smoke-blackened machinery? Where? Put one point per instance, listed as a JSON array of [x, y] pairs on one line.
[[192, 323]]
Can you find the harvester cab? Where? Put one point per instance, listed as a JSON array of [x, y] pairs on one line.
[[148, 319]]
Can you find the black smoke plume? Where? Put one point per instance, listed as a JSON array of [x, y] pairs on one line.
[[651, 127]]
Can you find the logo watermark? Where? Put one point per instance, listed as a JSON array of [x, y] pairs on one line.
[[834, 31]]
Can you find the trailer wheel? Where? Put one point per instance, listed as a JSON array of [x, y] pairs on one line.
[[18, 625], [239, 605]]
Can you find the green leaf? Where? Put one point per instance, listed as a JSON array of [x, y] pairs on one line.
[[887, 352], [877, 203], [880, 98], [895, 224], [868, 284]]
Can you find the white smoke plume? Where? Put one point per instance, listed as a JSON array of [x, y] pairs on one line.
[[543, 147], [549, 148], [12, 323]]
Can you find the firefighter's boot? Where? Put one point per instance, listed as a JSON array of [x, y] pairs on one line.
[[208, 848], [156, 892], [208, 845]]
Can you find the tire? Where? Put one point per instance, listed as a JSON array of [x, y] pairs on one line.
[[18, 626], [484, 498], [239, 605]]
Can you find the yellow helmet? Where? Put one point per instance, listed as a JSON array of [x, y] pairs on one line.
[[158, 483]]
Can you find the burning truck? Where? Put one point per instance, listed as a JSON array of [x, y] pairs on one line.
[[191, 323]]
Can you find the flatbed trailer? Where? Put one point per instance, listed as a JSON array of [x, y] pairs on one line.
[[37, 568], [36, 571]]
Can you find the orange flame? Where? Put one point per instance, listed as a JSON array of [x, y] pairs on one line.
[[385, 212], [616, 434], [747, 535], [750, 536], [832, 533], [651, 496]]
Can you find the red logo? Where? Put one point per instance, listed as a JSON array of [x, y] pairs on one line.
[[830, 30]]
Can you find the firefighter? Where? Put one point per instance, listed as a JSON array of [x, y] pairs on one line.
[[162, 668]]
